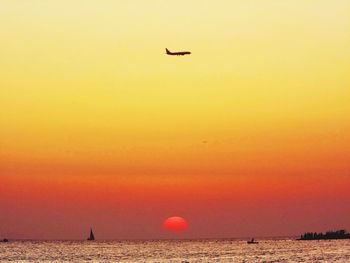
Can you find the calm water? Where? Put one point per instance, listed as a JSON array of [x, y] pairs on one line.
[[176, 251]]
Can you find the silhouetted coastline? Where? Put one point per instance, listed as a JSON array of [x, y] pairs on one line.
[[339, 234]]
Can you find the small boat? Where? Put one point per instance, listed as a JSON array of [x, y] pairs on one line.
[[252, 241], [91, 237]]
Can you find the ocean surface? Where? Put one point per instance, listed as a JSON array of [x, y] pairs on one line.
[[285, 250]]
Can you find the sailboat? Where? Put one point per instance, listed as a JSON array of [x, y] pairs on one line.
[[91, 237]]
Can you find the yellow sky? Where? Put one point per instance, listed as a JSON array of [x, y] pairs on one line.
[[84, 80]]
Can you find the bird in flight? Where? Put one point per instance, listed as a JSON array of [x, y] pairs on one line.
[[182, 53]]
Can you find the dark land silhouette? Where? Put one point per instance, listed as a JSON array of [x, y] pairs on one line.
[[339, 234]]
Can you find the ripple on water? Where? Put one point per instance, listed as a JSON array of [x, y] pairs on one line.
[[176, 251]]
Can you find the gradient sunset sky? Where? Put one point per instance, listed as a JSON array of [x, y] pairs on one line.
[[247, 136]]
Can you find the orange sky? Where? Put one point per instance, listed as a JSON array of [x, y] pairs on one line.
[[249, 135]]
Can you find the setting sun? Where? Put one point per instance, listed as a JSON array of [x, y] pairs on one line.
[[175, 224]]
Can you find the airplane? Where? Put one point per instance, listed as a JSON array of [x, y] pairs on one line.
[[182, 53]]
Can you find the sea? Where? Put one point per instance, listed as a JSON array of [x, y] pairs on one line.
[[180, 251]]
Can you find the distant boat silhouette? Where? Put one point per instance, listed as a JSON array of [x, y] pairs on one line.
[[252, 241], [91, 237]]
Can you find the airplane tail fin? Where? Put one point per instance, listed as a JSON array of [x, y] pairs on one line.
[[167, 51]]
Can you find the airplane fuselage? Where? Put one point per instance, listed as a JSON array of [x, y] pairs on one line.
[[182, 53]]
